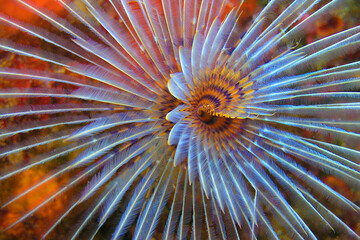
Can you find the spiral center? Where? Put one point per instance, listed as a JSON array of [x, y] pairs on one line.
[[206, 113]]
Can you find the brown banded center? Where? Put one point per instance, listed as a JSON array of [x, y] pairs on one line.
[[206, 113]]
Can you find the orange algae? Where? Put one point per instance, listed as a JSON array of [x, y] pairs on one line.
[[11, 8], [41, 219], [329, 26]]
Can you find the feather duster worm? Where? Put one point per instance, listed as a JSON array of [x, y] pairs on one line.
[[156, 118]]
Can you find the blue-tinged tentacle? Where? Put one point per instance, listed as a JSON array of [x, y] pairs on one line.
[[243, 194], [186, 66], [267, 190], [287, 183], [161, 32], [299, 29], [208, 216], [192, 164], [177, 130], [182, 148], [44, 158], [137, 15], [220, 40], [186, 208], [206, 50], [123, 157], [289, 164], [298, 147], [36, 125], [197, 211], [103, 146], [137, 199], [179, 87], [219, 223], [33, 52], [128, 49], [43, 109], [175, 209], [330, 216], [177, 114], [121, 82], [195, 56], [101, 124], [27, 144], [293, 187], [190, 18], [150, 216], [352, 154], [91, 213], [214, 178], [71, 184], [231, 227], [105, 96], [125, 180], [228, 186], [15, 74]]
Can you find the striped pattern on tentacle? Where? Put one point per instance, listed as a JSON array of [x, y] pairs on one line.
[[164, 119]]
